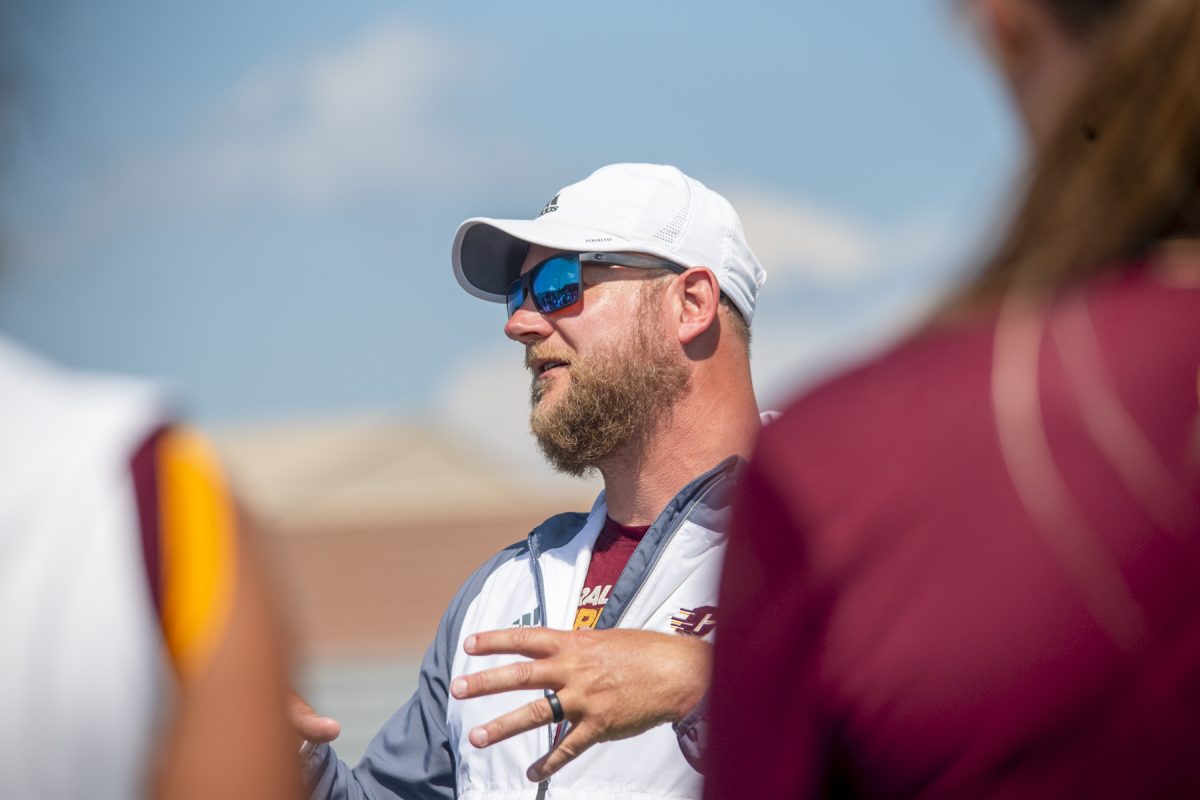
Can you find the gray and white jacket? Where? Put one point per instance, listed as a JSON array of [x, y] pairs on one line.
[[668, 585]]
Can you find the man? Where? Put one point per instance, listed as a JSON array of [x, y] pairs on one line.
[[632, 293]]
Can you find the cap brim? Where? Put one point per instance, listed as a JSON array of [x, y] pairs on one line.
[[488, 253]]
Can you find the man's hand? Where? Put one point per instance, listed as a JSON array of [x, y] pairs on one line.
[[612, 684], [307, 724]]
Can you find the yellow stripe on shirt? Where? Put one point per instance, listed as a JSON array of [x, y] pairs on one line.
[[199, 549]]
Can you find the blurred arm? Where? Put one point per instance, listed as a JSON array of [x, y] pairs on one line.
[[228, 735], [766, 736]]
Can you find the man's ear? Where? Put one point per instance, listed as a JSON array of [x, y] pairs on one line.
[[698, 296]]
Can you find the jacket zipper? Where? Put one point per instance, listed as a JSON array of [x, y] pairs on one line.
[[539, 588], [684, 514]]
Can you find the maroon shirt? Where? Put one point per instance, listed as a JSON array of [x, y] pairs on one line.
[[926, 597], [614, 546]]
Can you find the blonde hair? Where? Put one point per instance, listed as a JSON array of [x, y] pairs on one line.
[[1122, 169]]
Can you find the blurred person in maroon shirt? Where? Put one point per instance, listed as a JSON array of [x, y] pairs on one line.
[[971, 567]]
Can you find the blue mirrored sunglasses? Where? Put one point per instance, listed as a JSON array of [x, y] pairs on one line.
[[557, 282]]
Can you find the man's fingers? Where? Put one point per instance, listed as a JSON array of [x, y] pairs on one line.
[[309, 725], [524, 718], [317, 729], [531, 642], [521, 675], [571, 747]]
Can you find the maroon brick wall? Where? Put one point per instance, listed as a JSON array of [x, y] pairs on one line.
[[381, 587]]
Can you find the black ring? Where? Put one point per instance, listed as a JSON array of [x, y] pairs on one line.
[[556, 709]]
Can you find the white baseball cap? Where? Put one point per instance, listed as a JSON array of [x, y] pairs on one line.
[[637, 208]]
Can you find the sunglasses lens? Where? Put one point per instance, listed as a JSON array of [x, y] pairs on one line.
[[516, 296], [556, 283]]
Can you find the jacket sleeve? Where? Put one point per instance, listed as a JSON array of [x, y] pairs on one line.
[[412, 757]]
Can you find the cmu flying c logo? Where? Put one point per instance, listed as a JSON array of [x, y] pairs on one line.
[[551, 206], [695, 621]]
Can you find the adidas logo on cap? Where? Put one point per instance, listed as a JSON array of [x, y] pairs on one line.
[[551, 206]]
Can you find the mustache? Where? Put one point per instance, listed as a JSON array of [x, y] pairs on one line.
[[545, 352]]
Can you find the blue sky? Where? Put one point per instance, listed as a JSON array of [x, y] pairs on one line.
[[255, 201]]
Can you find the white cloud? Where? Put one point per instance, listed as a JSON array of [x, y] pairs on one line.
[[361, 118], [792, 353], [358, 118], [876, 281], [797, 240]]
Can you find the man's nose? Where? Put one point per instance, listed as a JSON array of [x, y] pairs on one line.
[[527, 324]]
